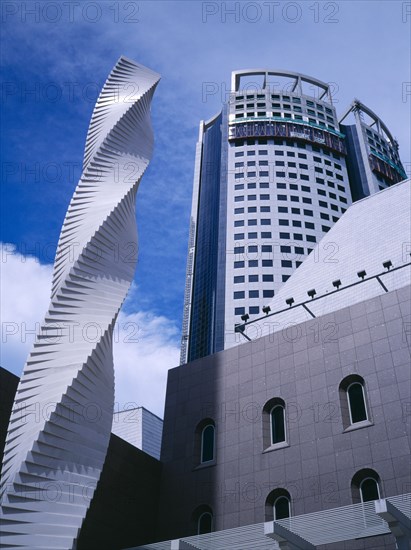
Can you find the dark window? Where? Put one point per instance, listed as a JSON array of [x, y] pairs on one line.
[[253, 278], [253, 293], [205, 523], [356, 401], [268, 293], [281, 508], [254, 310], [239, 294], [268, 278], [239, 311], [369, 490], [207, 443], [239, 279], [277, 424]]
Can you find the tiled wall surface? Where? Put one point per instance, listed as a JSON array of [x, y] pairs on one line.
[[304, 365]]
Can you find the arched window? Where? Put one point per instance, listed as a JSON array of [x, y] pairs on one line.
[[207, 443], [369, 489], [353, 400], [205, 523], [365, 486], [204, 442], [274, 423], [356, 402], [281, 508], [277, 419], [278, 505], [202, 520]]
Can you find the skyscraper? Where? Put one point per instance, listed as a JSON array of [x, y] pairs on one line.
[[274, 170]]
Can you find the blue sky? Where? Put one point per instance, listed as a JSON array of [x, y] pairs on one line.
[[55, 61]]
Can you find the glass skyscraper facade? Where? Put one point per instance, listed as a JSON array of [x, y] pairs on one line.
[[273, 172]]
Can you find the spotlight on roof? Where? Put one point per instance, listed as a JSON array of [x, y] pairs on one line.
[[387, 264], [337, 283], [266, 310], [311, 293], [362, 274], [289, 301], [245, 317]]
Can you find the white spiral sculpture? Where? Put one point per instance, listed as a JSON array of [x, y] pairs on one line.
[[60, 425]]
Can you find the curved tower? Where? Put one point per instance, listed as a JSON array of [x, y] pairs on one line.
[[273, 172], [61, 420]]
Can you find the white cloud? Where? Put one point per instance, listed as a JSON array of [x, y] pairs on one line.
[[145, 345]]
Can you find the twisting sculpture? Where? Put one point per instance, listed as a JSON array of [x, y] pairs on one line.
[[61, 420]]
